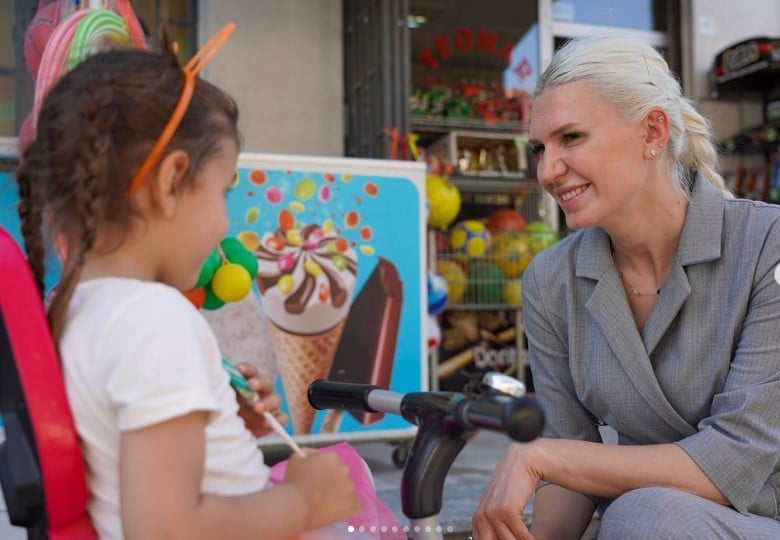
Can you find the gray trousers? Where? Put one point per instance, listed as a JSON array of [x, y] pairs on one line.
[[661, 513]]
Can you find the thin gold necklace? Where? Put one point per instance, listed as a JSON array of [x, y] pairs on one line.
[[634, 290]]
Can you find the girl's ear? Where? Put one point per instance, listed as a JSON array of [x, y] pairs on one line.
[[172, 170]]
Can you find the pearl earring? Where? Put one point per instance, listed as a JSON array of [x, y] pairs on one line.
[[652, 152], [660, 119]]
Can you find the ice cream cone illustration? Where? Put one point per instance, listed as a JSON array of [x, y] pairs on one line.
[[306, 277]]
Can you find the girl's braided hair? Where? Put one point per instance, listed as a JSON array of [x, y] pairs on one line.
[[95, 127]]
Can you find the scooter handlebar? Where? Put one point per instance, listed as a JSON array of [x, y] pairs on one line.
[[323, 394], [520, 418]]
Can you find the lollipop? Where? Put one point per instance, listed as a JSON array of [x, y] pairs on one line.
[[98, 30], [55, 55], [226, 276], [79, 35], [38, 34]]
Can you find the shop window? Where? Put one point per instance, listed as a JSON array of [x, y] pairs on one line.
[[16, 84], [473, 63], [634, 14]]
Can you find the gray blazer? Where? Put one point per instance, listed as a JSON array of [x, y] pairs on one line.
[[704, 373]]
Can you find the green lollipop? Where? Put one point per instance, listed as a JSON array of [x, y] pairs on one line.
[[235, 252], [210, 265]]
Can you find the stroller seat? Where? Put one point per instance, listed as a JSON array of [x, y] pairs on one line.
[[41, 469]]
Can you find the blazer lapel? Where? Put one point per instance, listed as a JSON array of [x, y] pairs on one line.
[[609, 307], [699, 242]]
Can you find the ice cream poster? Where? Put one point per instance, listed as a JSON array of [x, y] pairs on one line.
[[339, 292]]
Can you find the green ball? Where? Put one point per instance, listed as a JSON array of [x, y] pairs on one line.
[[485, 283], [212, 300], [231, 244], [210, 265], [241, 256]]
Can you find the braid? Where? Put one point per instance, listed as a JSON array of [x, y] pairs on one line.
[[92, 166], [698, 151], [31, 216], [91, 172], [95, 125]]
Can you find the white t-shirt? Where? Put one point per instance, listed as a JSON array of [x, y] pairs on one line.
[[137, 353]]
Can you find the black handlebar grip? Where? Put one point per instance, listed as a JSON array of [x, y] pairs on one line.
[[324, 394], [521, 418]]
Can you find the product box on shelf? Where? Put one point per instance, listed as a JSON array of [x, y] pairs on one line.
[[484, 154]]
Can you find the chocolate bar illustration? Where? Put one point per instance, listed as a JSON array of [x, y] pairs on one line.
[[367, 348]]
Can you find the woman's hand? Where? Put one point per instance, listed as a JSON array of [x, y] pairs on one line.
[[269, 401], [500, 512]]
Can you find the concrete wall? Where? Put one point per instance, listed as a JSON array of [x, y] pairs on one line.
[[284, 67]]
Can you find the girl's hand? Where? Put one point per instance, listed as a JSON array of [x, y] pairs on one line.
[[269, 401], [325, 483], [500, 512]]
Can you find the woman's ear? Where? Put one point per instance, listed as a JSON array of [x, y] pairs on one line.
[[657, 129], [172, 170]]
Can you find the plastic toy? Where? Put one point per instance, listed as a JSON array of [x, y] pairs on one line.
[[61, 34], [504, 220], [444, 201], [512, 292], [437, 293], [485, 283], [455, 278], [37, 35], [469, 239], [226, 276], [433, 333], [512, 253], [540, 236]]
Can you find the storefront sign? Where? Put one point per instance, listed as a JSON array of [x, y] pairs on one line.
[[464, 40]]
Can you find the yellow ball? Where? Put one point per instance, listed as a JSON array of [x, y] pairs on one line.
[[469, 239], [512, 292], [512, 253], [231, 282], [455, 278], [443, 201]]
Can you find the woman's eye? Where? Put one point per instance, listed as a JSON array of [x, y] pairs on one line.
[[570, 137], [537, 149]]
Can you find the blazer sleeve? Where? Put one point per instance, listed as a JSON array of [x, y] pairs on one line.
[[548, 356], [738, 444]]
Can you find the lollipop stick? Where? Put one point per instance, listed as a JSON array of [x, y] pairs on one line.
[[239, 382], [277, 427]]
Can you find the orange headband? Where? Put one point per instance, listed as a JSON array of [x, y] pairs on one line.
[[191, 70]]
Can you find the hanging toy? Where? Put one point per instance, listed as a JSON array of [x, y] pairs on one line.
[[437, 293], [443, 200], [63, 33], [226, 276], [433, 333]]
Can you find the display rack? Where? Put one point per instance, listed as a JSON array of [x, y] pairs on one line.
[[750, 70], [482, 326]]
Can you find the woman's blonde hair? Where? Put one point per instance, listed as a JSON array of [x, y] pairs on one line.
[[633, 77]]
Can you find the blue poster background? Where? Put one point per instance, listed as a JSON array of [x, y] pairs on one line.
[[378, 207]]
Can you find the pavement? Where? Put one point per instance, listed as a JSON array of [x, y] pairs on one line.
[[466, 482]]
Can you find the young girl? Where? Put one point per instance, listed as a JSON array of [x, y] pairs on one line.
[[133, 196]]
